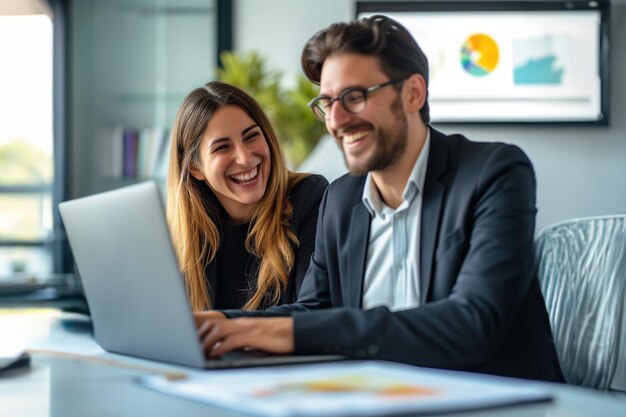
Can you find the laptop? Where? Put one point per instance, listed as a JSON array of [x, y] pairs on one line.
[[133, 284]]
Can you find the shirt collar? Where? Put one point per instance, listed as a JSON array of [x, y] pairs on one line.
[[371, 197]]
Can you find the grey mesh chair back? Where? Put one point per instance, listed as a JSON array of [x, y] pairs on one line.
[[582, 271]]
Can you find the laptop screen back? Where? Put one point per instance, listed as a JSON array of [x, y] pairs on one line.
[[135, 291]]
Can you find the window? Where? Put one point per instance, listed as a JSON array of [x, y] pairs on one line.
[[26, 144]]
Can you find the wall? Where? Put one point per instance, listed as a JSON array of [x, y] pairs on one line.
[[279, 28], [581, 171]]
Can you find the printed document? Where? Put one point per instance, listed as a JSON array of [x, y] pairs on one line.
[[365, 388]]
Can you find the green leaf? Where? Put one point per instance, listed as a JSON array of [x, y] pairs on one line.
[[298, 130]]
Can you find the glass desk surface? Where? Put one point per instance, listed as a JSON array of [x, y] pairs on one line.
[[71, 376]]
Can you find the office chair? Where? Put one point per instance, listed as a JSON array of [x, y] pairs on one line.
[[582, 271]]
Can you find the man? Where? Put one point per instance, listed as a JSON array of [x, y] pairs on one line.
[[424, 252]]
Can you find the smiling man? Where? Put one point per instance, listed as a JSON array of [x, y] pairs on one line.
[[424, 252]]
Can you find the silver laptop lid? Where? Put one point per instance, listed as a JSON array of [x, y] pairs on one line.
[[135, 291]]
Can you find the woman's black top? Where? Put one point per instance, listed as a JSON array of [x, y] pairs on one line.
[[233, 273]]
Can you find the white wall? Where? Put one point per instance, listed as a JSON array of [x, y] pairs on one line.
[[581, 171], [279, 28]]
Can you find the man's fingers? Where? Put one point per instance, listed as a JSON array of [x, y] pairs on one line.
[[209, 337], [203, 329], [221, 336], [216, 332], [230, 343]]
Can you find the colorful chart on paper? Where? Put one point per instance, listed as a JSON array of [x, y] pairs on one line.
[[479, 54]]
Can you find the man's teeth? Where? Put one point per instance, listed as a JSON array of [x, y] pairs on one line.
[[246, 176], [353, 137]]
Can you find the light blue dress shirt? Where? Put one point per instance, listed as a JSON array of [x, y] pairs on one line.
[[392, 270]]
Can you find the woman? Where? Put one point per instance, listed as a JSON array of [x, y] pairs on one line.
[[243, 225]]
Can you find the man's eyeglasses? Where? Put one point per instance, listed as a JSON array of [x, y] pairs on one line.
[[352, 99]]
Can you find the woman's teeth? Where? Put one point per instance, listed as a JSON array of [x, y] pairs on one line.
[[245, 177]]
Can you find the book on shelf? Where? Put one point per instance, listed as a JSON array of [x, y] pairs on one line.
[[138, 153], [130, 140]]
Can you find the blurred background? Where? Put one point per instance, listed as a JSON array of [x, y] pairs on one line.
[[89, 90]]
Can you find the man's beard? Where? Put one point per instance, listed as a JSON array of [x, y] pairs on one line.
[[389, 144]]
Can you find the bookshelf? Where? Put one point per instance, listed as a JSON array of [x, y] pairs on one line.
[[132, 64]]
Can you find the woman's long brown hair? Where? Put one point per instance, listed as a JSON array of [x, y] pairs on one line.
[[193, 218]]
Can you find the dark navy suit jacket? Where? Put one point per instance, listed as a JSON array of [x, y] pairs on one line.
[[481, 307]]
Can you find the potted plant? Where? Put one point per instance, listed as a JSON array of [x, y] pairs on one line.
[[298, 130]]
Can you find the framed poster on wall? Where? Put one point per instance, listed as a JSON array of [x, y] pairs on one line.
[[510, 62]]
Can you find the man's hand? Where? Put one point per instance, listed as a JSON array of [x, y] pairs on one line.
[[201, 316], [219, 335]]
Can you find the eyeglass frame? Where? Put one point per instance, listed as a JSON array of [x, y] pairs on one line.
[[313, 104]]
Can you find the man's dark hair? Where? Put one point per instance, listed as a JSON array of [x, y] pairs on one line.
[[398, 53]]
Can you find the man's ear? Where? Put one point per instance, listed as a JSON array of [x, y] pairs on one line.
[[195, 172], [416, 94]]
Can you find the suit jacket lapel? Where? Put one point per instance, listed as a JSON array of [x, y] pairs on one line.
[[357, 249], [432, 199]]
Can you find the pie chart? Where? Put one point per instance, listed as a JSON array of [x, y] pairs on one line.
[[479, 55]]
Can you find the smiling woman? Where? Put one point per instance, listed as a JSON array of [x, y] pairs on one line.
[[234, 160], [243, 225]]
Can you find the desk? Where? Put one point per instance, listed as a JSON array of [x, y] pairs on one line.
[[102, 383]]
